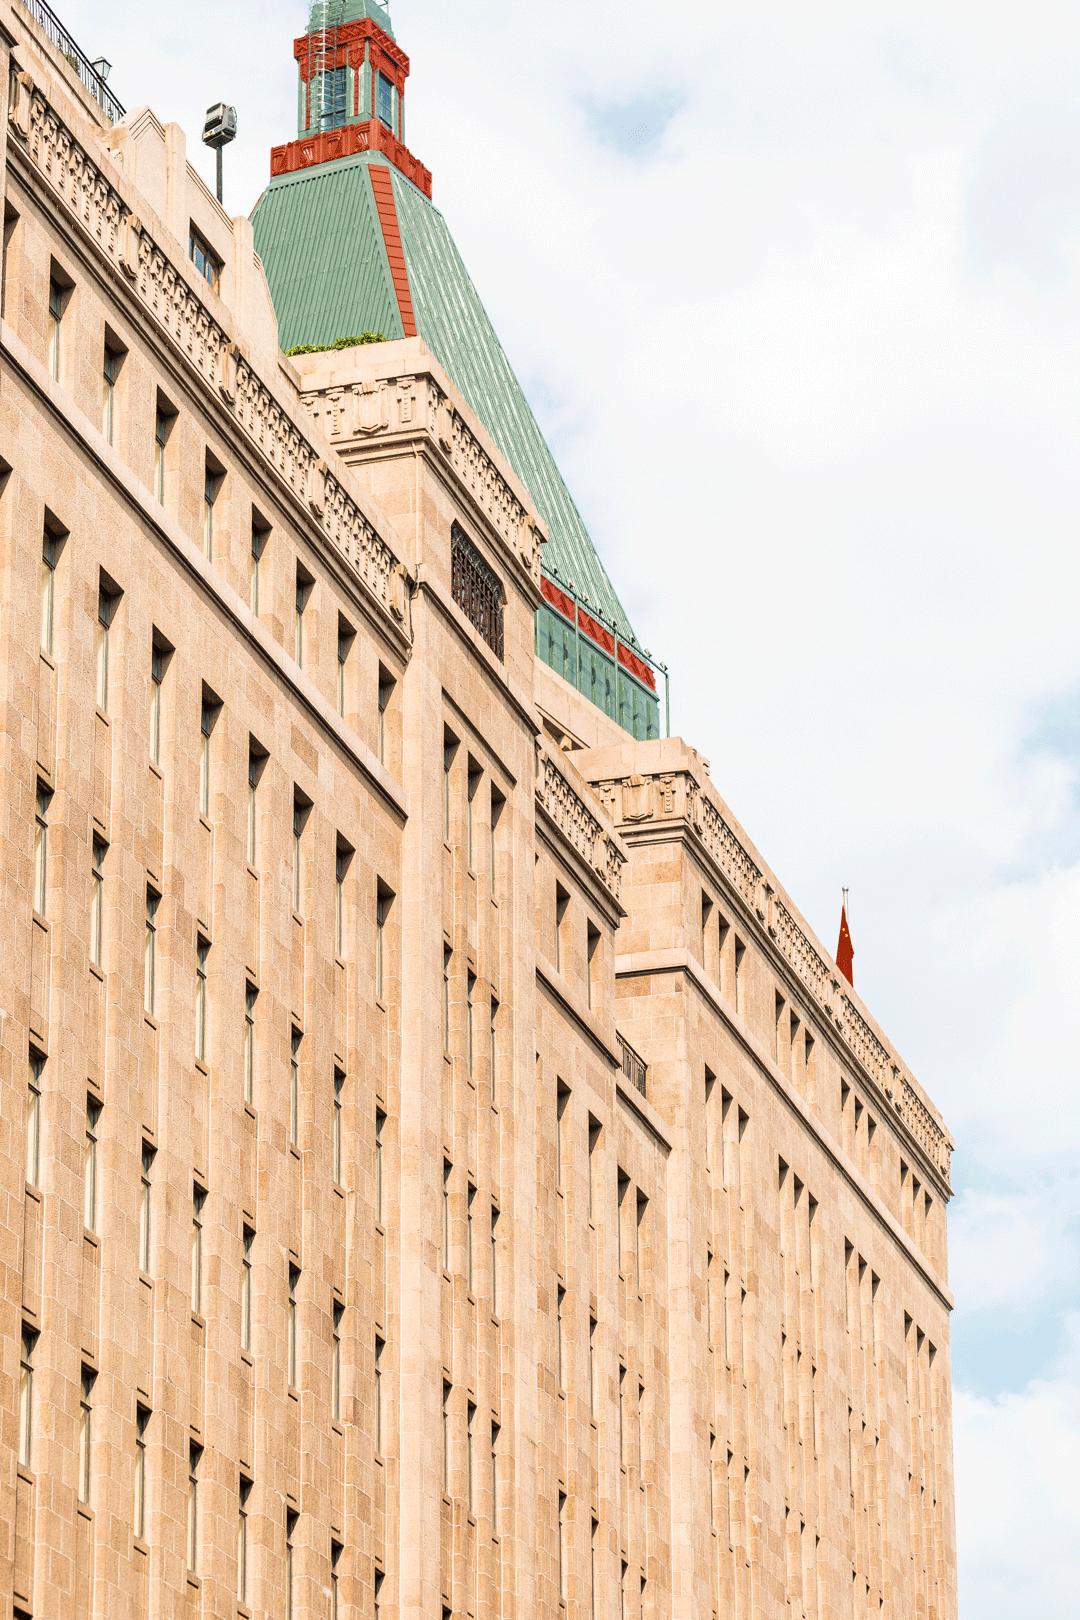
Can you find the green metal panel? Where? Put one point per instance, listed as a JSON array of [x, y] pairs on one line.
[[318, 235]]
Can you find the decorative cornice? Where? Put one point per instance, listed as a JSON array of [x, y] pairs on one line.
[[363, 412], [125, 243], [677, 797], [584, 832], [347, 140]]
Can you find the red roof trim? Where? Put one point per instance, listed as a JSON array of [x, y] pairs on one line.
[[383, 187], [585, 622], [346, 141]]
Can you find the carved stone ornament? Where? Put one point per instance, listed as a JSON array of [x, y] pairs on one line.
[[637, 799]]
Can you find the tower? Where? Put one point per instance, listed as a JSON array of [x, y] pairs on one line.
[[351, 244]]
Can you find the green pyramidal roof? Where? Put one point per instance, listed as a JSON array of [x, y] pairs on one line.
[[318, 234]]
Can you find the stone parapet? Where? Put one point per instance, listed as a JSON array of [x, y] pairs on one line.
[[566, 807]]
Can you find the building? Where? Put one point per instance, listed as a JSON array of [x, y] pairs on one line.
[[441, 1173]]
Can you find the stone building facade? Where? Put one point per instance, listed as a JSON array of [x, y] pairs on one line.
[[441, 1175]]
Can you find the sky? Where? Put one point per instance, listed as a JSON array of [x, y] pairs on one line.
[[795, 293]]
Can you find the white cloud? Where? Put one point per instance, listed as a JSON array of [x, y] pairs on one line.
[[811, 371]]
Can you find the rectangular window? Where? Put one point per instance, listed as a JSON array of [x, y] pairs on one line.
[[260, 535], [493, 1045], [470, 1019], [305, 583], [292, 1520], [380, 1132], [295, 1042], [472, 789], [251, 996], [384, 100], [195, 1452], [204, 258], [146, 1207], [293, 1344], [562, 1130], [86, 1432], [202, 957], [198, 1204], [52, 543], [343, 861], [335, 1364], [447, 961], [495, 1217], [339, 1110], [470, 1258], [386, 694], [153, 901], [213, 479], [346, 639], [246, 1488], [495, 1433], [563, 1560], [594, 961], [209, 713], [639, 1237], [477, 590], [562, 906], [90, 1156], [447, 1172], [138, 1518], [498, 805], [108, 600], [336, 1551], [560, 1365], [384, 900], [160, 654], [164, 421], [470, 1458], [446, 1392], [112, 360], [33, 1117], [592, 1367], [450, 748], [257, 757], [301, 811], [26, 1398], [41, 848], [60, 288], [380, 1434], [246, 1270], [595, 1132], [11, 220]]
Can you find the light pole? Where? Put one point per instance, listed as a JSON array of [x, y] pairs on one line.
[[218, 131]]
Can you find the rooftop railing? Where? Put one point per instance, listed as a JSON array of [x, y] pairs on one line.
[[57, 35]]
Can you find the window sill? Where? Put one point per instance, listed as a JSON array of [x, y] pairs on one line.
[[48, 660], [146, 1280], [249, 1110], [204, 821], [41, 922], [380, 1229], [247, 1360], [155, 769], [25, 1475], [294, 1151], [85, 1511], [34, 1194], [140, 1546], [150, 1021], [101, 714], [193, 1581], [339, 1191], [202, 1068], [294, 1394], [198, 1321], [97, 972], [91, 1239], [251, 872]]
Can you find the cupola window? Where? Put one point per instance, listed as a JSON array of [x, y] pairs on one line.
[[384, 104], [331, 90]]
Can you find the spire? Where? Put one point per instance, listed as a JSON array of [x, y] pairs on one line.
[[351, 96], [845, 950]]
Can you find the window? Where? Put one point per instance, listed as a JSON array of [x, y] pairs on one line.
[[90, 1154], [138, 1519], [562, 1129], [52, 543], [146, 1207], [209, 713], [495, 1259], [560, 1368], [343, 862], [293, 1345], [498, 805], [257, 757], [563, 1561], [380, 1349], [346, 638], [26, 1397], [379, 1579], [639, 1233], [301, 811], [495, 1433], [335, 1365], [160, 654], [60, 289], [380, 1132], [339, 1109], [593, 961], [108, 601], [153, 901], [470, 1460], [260, 534], [386, 694], [305, 584], [329, 98], [594, 1165], [202, 957], [562, 906], [41, 848], [33, 1117], [204, 258], [447, 960], [251, 996], [384, 901], [11, 220], [195, 1452], [296, 1040], [112, 360], [246, 1269], [198, 1204], [477, 590], [622, 1186], [450, 748], [164, 421], [473, 781], [592, 1366], [246, 1488], [470, 1260], [493, 1043], [86, 1432], [213, 479], [384, 100], [292, 1519], [446, 1393], [336, 1550], [447, 1172], [470, 1018]]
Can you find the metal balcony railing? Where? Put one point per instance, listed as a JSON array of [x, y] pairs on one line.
[[635, 1068], [57, 35]]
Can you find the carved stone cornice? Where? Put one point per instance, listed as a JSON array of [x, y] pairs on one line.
[[586, 834], [367, 411], [123, 241], [676, 797]]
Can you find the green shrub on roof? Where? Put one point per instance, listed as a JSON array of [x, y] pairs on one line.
[[338, 343]]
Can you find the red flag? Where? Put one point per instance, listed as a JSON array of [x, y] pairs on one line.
[[845, 950]]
